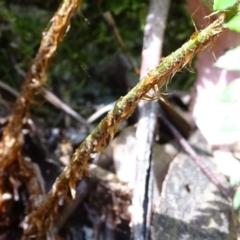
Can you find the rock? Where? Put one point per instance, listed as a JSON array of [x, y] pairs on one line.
[[124, 149], [190, 206]]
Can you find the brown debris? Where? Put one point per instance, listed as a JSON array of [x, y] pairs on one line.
[[12, 139], [24, 174]]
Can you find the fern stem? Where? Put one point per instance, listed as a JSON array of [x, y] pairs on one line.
[[12, 139], [38, 222]]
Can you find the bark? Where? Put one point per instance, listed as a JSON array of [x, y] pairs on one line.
[[151, 54]]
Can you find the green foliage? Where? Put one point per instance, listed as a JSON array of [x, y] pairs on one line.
[[78, 67], [20, 37], [230, 60], [231, 94], [234, 180], [230, 102], [236, 199], [118, 7], [208, 3], [230, 121], [88, 46], [219, 5], [234, 24]]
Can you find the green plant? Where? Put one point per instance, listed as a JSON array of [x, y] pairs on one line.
[[230, 96]]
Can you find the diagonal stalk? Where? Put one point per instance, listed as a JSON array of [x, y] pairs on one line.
[[39, 221]]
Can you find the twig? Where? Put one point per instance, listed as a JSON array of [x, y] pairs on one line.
[[100, 112], [110, 20], [145, 134], [82, 191], [9, 89], [185, 145], [108, 179], [39, 220], [54, 100]]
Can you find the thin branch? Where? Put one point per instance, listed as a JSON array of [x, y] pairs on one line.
[[39, 221], [110, 20], [100, 112], [104, 177], [82, 191], [54, 100], [185, 145], [57, 102], [11, 90]]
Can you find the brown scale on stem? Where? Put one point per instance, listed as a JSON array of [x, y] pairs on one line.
[[124, 107], [12, 139]]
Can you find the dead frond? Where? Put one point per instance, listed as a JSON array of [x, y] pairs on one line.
[[16, 172], [12, 139]]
